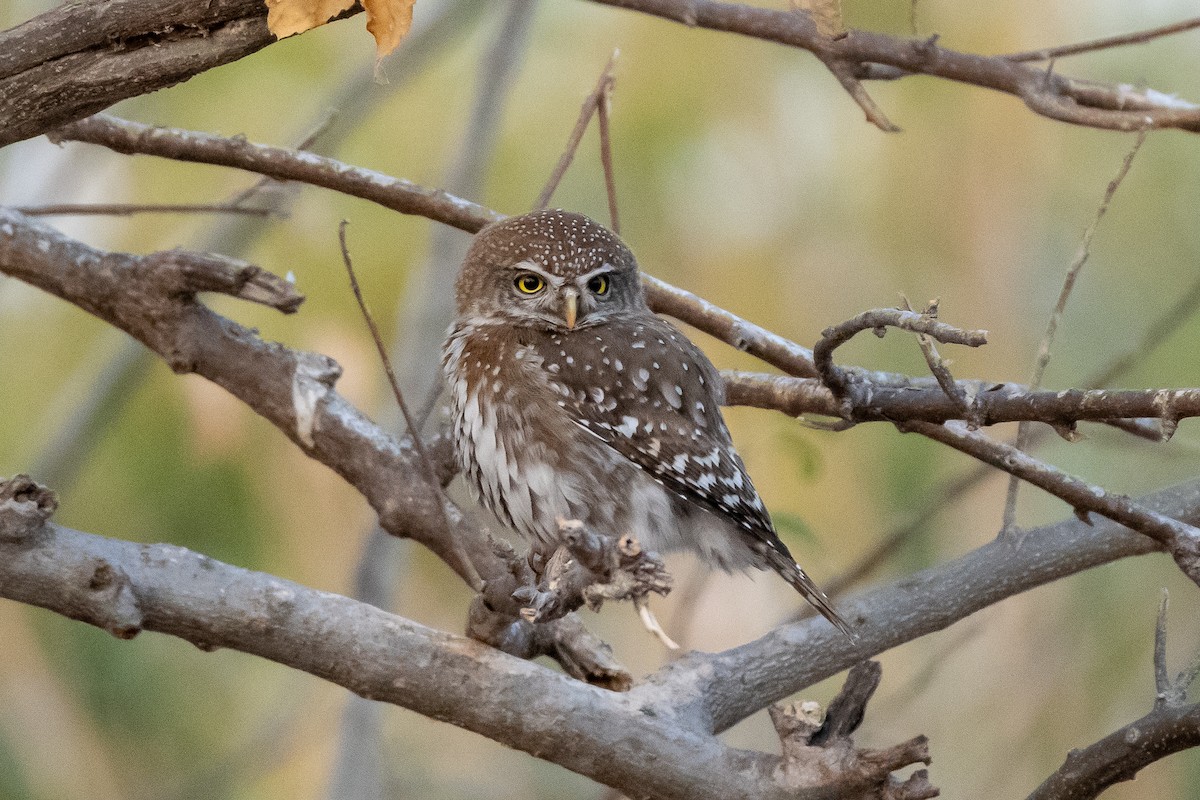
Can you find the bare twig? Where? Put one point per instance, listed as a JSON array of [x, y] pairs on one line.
[[1008, 526], [848, 78], [603, 109], [876, 55], [989, 403], [937, 366], [591, 104], [879, 320], [1171, 726], [426, 308], [280, 163], [1180, 539], [1108, 42], [431, 476]]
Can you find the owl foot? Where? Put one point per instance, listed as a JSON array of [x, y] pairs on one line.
[[651, 623], [587, 569]]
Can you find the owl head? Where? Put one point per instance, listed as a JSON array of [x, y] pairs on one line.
[[551, 269]]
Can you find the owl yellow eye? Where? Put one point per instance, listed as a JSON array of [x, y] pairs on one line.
[[529, 283], [598, 285]]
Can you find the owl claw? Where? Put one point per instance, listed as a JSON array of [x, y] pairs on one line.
[[651, 623]]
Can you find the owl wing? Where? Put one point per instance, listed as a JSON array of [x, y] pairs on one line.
[[651, 395]]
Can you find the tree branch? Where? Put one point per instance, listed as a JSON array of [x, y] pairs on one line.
[[1172, 725], [83, 56], [632, 743], [1180, 539], [990, 403], [876, 55], [724, 688], [655, 739]]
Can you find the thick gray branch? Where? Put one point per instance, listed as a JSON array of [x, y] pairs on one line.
[[125, 587], [726, 687], [84, 56]]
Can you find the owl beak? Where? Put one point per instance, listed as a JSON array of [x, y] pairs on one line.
[[570, 307]]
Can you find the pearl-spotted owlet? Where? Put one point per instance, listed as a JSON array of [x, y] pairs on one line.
[[572, 400]]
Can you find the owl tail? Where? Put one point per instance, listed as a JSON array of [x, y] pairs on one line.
[[790, 571]]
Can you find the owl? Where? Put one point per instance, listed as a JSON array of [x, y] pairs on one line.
[[572, 400]]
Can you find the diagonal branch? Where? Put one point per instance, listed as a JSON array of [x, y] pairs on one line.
[[724, 688], [1180, 539], [1106, 43], [280, 163], [1171, 726], [879, 320], [1097, 105]]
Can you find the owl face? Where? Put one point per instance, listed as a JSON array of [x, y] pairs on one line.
[[550, 269]]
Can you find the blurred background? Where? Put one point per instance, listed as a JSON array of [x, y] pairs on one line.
[[744, 174]]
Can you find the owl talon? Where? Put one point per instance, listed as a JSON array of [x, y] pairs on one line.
[[650, 622]]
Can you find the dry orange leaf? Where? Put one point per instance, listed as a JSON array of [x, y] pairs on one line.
[[387, 20]]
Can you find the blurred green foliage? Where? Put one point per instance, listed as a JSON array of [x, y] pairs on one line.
[[744, 174]]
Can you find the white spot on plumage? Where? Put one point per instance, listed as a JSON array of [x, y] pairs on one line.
[[628, 426], [672, 394]]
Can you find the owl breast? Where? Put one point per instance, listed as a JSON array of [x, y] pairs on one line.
[[531, 460]]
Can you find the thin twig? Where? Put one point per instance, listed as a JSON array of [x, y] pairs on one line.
[[1180, 539], [1138, 37], [426, 309], [603, 109], [1153, 337], [1162, 679], [846, 76], [318, 130], [1008, 526], [937, 365], [129, 209], [879, 320], [1171, 726], [435, 485], [590, 104]]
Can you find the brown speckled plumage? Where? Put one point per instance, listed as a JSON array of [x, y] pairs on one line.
[[613, 420]]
